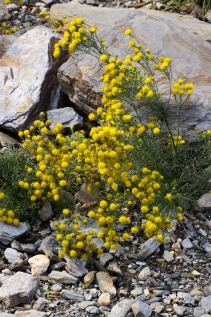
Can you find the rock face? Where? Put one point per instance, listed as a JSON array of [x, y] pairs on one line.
[[79, 77], [18, 289], [106, 17], [28, 78]]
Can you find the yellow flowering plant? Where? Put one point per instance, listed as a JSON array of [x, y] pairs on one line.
[[137, 161]]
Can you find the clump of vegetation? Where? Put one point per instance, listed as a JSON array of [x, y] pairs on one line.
[[177, 6], [8, 28], [141, 167]]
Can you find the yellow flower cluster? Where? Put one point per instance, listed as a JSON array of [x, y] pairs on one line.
[[43, 14], [6, 28], [179, 88]]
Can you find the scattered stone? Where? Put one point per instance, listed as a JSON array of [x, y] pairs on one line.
[[204, 202], [105, 257], [67, 116], [18, 289], [198, 311], [63, 277], [105, 283], [121, 308], [85, 304], [11, 255], [46, 211], [29, 247], [168, 257], [144, 274], [84, 196], [40, 304], [141, 307], [148, 248], [92, 310], [76, 267], [104, 299], [56, 288], [39, 264], [68, 294], [89, 278], [30, 313], [179, 309], [114, 268], [206, 303], [187, 244]]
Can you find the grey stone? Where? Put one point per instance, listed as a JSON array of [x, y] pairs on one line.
[[63, 277], [18, 265], [16, 245], [105, 257], [67, 116], [179, 309], [11, 255], [18, 289], [12, 7], [144, 274], [39, 304], [56, 288], [168, 257], [85, 304], [6, 315], [148, 248], [68, 294], [93, 310], [46, 211], [159, 308], [105, 283], [204, 202], [141, 307], [198, 311], [49, 246], [29, 85], [121, 308], [187, 244], [7, 235], [206, 303], [76, 267], [207, 290], [189, 300], [207, 247], [84, 196], [29, 247]]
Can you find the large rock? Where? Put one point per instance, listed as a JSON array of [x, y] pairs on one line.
[[18, 289], [106, 17], [28, 78], [67, 116], [6, 40], [80, 81], [9, 233]]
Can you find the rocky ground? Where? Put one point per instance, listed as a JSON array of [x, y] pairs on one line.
[[141, 278]]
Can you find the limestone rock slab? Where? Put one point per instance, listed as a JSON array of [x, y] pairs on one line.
[[28, 78], [79, 76]]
